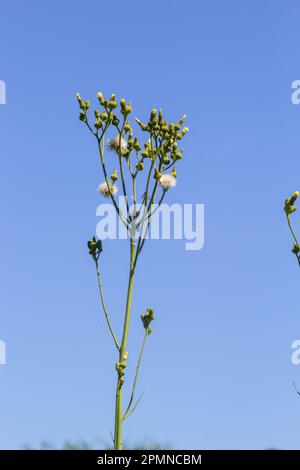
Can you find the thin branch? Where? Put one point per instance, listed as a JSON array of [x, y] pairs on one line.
[[100, 141], [104, 307], [90, 128], [295, 239], [149, 220], [119, 212], [126, 414], [157, 206], [135, 405], [146, 194], [296, 388], [142, 242], [121, 164], [291, 229]]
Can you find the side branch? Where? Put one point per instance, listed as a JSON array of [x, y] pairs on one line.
[[128, 409], [104, 307]]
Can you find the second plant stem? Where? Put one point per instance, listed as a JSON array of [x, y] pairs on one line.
[[123, 353]]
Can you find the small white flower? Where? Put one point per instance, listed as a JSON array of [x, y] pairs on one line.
[[167, 181], [103, 189], [114, 144]]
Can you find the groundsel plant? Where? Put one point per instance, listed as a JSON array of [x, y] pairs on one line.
[[143, 173], [290, 208]]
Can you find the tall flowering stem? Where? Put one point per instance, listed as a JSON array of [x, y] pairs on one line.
[[153, 166], [290, 208]]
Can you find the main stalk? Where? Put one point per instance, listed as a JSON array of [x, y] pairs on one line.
[[121, 365]]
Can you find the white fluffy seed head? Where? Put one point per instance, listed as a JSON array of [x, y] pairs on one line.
[[104, 190], [167, 181], [114, 144]]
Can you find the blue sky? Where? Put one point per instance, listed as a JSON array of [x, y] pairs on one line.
[[217, 372]]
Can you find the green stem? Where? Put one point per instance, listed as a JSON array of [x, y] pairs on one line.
[[119, 212], [104, 307], [121, 166], [292, 231], [127, 412], [142, 237], [294, 236], [123, 355]]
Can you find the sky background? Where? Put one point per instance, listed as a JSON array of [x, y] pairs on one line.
[[217, 371]]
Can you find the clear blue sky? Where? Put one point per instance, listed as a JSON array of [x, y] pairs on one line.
[[217, 371]]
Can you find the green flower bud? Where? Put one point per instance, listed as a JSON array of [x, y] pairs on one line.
[[181, 120], [177, 156], [98, 124], [104, 116], [147, 318], [114, 176], [174, 172], [136, 145], [123, 104], [295, 195], [153, 114], [112, 104], [127, 127], [100, 98], [82, 116], [160, 117], [171, 128], [165, 160], [125, 108], [95, 248], [126, 153], [157, 174], [141, 124], [115, 120], [139, 166], [182, 133], [97, 113], [289, 203], [128, 109], [146, 153], [80, 102]]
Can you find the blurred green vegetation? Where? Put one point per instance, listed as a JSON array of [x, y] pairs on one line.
[[81, 444]]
